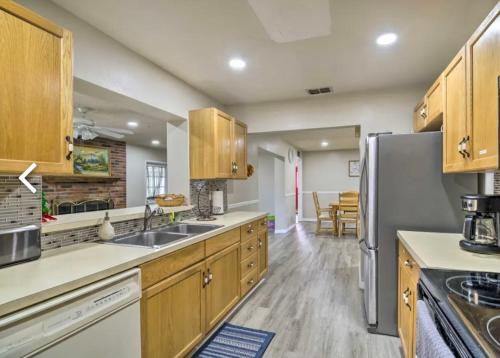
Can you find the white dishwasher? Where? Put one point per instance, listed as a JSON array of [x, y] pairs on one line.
[[99, 320]]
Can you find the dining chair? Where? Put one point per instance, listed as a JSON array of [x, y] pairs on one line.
[[324, 214], [348, 211]]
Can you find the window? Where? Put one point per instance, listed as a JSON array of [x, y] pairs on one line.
[[156, 178]]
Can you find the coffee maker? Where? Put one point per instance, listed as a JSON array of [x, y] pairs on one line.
[[482, 223]]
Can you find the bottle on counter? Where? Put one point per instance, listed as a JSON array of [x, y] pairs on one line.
[[106, 230]]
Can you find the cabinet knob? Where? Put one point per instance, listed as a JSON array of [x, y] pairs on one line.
[[251, 264], [260, 243], [250, 283], [408, 263], [251, 248]]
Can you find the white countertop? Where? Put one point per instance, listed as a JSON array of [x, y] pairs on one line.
[[62, 270], [441, 251], [76, 221]]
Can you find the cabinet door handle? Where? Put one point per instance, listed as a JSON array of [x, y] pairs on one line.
[[260, 243], [408, 263], [466, 150], [406, 297], [205, 280], [250, 248], [250, 283], [210, 276], [70, 147], [251, 264], [461, 147]]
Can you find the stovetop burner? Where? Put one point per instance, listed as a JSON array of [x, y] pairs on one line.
[[493, 327], [477, 288]]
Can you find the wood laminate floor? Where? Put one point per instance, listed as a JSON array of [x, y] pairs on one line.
[[312, 301]]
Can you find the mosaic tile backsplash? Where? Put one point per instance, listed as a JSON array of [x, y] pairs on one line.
[[202, 188], [19, 206]]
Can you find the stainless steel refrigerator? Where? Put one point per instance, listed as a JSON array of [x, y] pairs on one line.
[[402, 188]]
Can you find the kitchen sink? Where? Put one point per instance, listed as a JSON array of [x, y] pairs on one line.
[[190, 229], [163, 236], [153, 239]]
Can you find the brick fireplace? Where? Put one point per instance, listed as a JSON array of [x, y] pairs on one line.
[[76, 189]]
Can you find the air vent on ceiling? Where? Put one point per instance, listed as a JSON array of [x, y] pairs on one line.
[[322, 90]]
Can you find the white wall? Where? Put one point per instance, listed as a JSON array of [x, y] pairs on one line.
[[374, 111], [244, 194], [136, 171], [105, 62], [326, 172]]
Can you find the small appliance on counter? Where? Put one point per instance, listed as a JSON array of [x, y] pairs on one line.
[[465, 310], [19, 245], [481, 224], [217, 202]]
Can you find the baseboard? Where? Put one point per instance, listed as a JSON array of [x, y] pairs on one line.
[[284, 231], [308, 219]]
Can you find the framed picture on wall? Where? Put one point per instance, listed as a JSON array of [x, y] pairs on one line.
[[354, 168], [92, 161]]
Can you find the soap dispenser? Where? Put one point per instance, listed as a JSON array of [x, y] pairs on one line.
[[106, 230]]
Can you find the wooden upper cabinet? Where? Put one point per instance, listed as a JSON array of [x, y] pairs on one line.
[[240, 150], [483, 71], [224, 145], [454, 114], [419, 115], [223, 290], [35, 92], [173, 314], [217, 145], [434, 104]]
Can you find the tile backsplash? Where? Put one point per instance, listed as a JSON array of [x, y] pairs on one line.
[[202, 188], [19, 206]]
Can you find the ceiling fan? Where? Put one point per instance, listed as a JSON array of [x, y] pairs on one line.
[[86, 129]]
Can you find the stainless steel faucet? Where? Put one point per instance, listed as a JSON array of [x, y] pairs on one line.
[[148, 216]]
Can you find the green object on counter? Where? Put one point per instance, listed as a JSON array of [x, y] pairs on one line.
[[45, 206]]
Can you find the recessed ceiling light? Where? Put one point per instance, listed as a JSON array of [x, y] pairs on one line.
[[237, 64], [155, 142], [387, 39], [324, 144], [132, 124]]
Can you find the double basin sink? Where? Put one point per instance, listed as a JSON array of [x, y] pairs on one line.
[[163, 236]]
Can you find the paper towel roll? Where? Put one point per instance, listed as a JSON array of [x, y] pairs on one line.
[[217, 202]]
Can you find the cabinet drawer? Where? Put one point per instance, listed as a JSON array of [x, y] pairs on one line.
[[249, 247], [222, 241], [249, 264], [262, 225], [249, 281], [249, 230], [165, 266]]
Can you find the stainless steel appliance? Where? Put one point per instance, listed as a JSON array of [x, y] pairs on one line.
[[19, 244], [401, 188], [465, 307], [481, 224], [98, 320]]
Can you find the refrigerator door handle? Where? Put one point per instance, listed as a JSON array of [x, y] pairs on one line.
[[362, 246], [362, 193]]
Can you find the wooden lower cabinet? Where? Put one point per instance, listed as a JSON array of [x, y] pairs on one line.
[[408, 276], [262, 253], [173, 314], [223, 287], [188, 293]]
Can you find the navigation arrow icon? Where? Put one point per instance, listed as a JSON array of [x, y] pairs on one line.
[[23, 179]]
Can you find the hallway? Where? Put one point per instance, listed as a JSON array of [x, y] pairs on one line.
[[311, 299]]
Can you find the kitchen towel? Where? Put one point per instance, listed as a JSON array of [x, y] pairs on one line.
[[235, 341], [430, 344]]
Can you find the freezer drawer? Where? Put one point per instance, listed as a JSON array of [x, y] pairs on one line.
[[369, 264]]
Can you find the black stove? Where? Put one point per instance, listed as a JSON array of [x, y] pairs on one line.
[[469, 305]]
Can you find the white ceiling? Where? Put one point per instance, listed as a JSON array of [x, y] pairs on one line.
[[308, 140], [193, 39], [113, 110]]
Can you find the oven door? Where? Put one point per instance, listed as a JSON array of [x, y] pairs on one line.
[[441, 324]]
